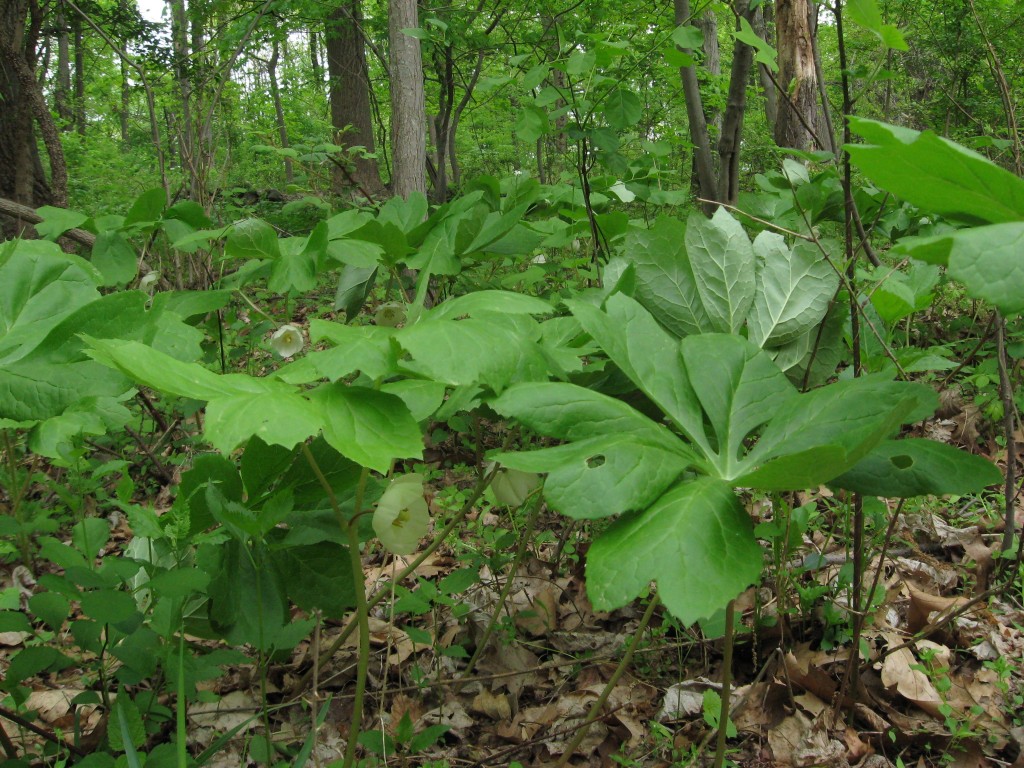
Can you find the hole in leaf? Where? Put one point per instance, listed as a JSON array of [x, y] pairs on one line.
[[595, 461], [902, 461]]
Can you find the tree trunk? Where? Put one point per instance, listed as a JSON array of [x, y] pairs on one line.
[[275, 93], [707, 176], [350, 97], [408, 113], [762, 18], [732, 123], [316, 68], [125, 101], [62, 91], [796, 123], [183, 78], [22, 178], [76, 26]]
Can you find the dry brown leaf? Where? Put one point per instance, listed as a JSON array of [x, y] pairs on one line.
[[912, 684], [494, 705]]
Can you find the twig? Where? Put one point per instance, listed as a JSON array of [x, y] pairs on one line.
[[1009, 424], [29, 725]]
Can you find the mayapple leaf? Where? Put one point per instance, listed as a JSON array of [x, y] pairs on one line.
[[648, 355], [162, 372], [915, 467], [601, 476], [695, 541], [818, 435], [318, 576], [989, 261], [936, 175], [739, 387], [369, 427], [794, 288], [665, 280], [570, 412], [402, 518], [277, 418], [488, 302], [252, 239], [724, 268]]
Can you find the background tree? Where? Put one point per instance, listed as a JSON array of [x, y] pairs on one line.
[[408, 107]]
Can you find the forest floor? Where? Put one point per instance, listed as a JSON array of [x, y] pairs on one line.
[[952, 697]]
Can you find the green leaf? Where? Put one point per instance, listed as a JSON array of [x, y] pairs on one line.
[[570, 412], [915, 467], [601, 476], [937, 175], [492, 352], [295, 269], [696, 542], [820, 434], [252, 239], [793, 291], [531, 124], [147, 207], [371, 428], [763, 52], [646, 353], [724, 267], [318, 577], [162, 372], [622, 109], [33, 660], [989, 261], [688, 36], [422, 398], [126, 729], [867, 14], [354, 285], [506, 302], [90, 536], [665, 281], [57, 221], [108, 606], [115, 258], [739, 388], [277, 418]]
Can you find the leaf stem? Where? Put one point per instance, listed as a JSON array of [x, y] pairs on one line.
[[723, 718]]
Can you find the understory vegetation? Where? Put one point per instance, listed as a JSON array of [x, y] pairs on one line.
[[569, 464]]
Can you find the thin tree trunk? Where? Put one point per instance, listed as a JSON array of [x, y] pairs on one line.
[[795, 123], [705, 163], [408, 115], [62, 93], [350, 98], [732, 122], [76, 27], [315, 66], [275, 93], [125, 102], [771, 95]]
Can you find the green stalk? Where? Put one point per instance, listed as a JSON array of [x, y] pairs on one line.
[[723, 718]]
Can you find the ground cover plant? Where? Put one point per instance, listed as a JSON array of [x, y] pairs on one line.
[[559, 466]]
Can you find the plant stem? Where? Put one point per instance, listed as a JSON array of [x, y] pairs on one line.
[[723, 718], [598, 705], [524, 541]]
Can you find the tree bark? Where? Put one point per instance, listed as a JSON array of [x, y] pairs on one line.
[[350, 97], [707, 177], [408, 113], [796, 120], [21, 174], [732, 122], [62, 91], [762, 19], [76, 26], [275, 93]]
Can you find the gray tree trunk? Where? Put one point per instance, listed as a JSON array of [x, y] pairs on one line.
[[797, 120], [350, 97], [408, 112]]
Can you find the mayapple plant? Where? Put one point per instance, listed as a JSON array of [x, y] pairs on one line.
[[733, 421]]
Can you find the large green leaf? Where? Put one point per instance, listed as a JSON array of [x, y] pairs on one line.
[[115, 258], [318, 577], [277, 418], [648, 355], [601, 476], [354, 285], [40, 285], [696, 542], [989, 261], [569, 412], [472, 351], [937, 175], [489, 302], [622, 109], [363, 348], [818, 435], [794, 289], [371, 428], [252, 239], [723, 266], [162, 372], [739, 387], [913, 467], [665, 281]]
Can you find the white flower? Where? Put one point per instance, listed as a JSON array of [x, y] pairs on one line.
[[511, 487], [287, 340], [148, 280], [402, 518], [540, 258], [390, 315]]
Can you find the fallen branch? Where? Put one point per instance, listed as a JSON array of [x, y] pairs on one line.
[[23, 212]]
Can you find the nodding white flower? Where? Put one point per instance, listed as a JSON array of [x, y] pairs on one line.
[[148, 280], [402, 517], [511, 488], [540, 258], [287, 340], [390, 315]]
